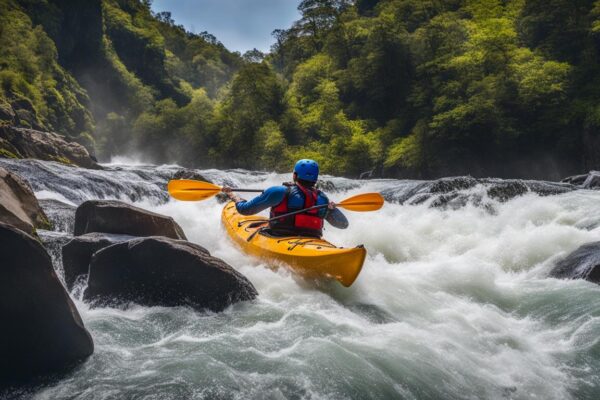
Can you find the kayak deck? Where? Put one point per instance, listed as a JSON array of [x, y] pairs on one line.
[[310, 257]]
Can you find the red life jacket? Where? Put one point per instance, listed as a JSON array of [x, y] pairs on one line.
[[308, 223]]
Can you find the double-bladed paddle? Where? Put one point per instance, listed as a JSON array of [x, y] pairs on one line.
[[191, 190]]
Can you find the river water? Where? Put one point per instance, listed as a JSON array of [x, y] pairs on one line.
[[452, 303]]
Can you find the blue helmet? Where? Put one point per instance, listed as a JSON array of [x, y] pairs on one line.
[[307, 170]]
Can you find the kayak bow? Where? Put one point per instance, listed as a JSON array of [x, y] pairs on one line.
[[309, 257]]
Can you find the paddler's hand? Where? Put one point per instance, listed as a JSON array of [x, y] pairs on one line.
[[331, 205], [229, 193]]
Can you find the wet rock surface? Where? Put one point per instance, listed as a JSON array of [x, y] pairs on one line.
[[190, 174], [54, 241], [158, 271], [456, 192], [111, 216], [79, 184], [49, 146], [18, 205], [61, 215], [42, 331], [77, 253], [591, 180], [583, 263]]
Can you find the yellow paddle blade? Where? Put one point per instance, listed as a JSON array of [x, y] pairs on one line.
[[362, 202], [191, 190]]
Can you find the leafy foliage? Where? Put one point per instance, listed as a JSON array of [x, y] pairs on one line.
[[429, 88], [32, 81], [395, 87]]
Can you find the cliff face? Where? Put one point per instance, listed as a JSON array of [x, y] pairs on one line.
[[76, 67], [75, 27]]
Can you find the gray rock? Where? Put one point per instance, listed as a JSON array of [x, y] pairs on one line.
[[49, 146], [583, 263], [575, 179], [111, 216], [18, 205], [327, 186], [455, 192], [158, 271], [42, 331], [190, 174], [78, 252], [506, 190], [592, 181]]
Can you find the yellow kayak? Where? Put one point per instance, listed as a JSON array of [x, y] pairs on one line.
[[310, 257]]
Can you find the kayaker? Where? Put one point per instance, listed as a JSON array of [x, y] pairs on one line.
[[288, 197]]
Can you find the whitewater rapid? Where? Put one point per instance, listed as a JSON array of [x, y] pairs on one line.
[[451, 304]]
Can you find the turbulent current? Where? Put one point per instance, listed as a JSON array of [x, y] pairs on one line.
[[452, 303]]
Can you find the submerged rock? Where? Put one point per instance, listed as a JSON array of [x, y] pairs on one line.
[[502, 190], [42, 331], [190, 174], [575, 179], [591, 180], [111, 216], [158, 271], [61, 215], [53, 242], [49, 146], [327, 186], [78, 252], [583, 263], [18, 205], [456, 192]]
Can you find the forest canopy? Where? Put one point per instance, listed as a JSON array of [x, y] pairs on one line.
[[414, 88]]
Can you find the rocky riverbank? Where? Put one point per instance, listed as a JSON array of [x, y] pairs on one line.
[[121, 254], [18, 142]]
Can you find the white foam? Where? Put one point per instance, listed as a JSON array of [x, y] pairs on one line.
[[450, 304]]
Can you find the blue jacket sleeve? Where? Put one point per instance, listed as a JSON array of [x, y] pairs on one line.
[[267, 199], [337, 218]]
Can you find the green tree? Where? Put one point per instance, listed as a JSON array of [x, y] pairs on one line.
[[255, 96]]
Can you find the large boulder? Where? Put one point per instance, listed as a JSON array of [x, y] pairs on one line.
[[18, 205], [42, 331], [583, 263], [49, 146], [78, 252], [158, 271], [111, 216]]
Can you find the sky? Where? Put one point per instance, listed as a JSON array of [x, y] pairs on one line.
[[240, 25]]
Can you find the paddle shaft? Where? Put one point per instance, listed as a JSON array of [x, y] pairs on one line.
[[233, 189], [360, 202], [297, 212], [284, 215]]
